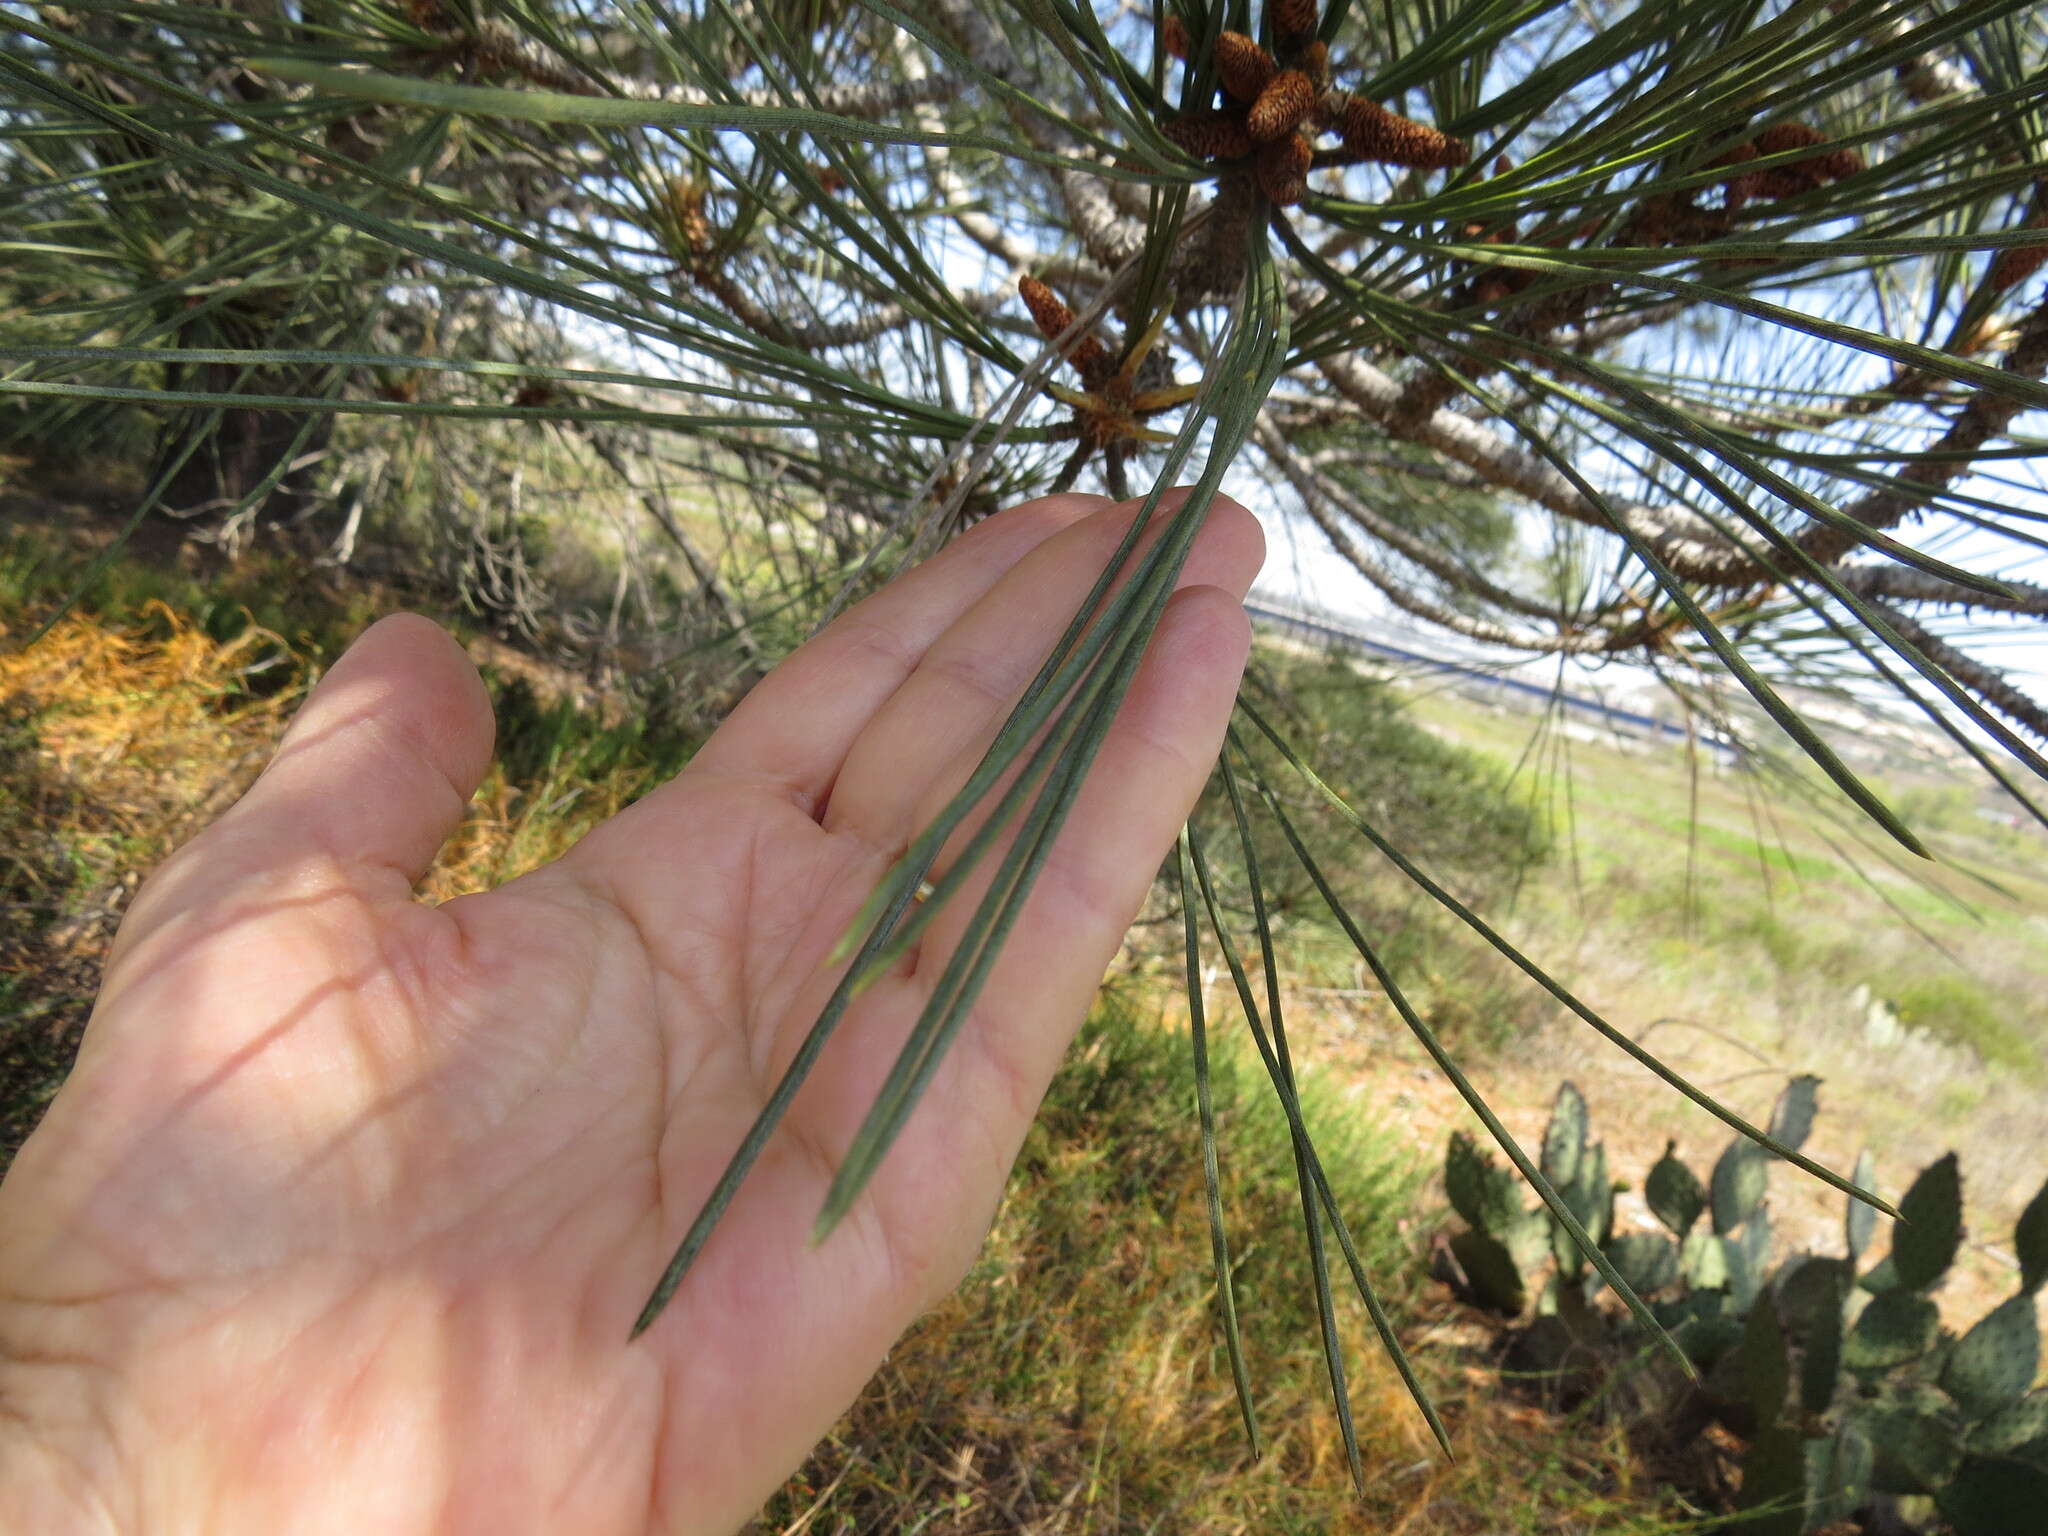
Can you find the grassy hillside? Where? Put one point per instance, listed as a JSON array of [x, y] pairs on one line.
[[1747, 934]]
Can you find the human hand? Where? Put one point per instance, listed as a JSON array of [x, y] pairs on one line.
[[346, 1209]]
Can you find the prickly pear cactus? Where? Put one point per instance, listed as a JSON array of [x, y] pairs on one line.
[[1505, 1238], [1836, 1369]]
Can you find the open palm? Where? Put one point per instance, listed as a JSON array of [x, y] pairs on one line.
[[342, 1219]]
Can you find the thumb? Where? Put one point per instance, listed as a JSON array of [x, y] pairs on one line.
[[369, 781]]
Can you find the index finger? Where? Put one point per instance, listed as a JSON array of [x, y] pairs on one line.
[[796, 727]]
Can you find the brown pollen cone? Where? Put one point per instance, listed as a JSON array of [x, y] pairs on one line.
[[686, 200], [1840, 164], [1374, 133], [1243, 66], [1779, 137], [1651, 225], [1052, 317], [1282, 169], [1048, 310], [1315, 63], [1737, 189], [1173, 36], [1210, 135], [2020, 262], [1667, 219], [1801, 175], [1293, 19], [1282, 107]]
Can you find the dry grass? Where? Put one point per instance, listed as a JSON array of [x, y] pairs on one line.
[[115, 743], [1077, 1383], [119, 739], [149, 726]]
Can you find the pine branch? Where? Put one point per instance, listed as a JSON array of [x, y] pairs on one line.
[[1682, 539], [1105, 234], [1987, 683], [1924, 77], [1985, 417], [1903, 584], [1021, 257]]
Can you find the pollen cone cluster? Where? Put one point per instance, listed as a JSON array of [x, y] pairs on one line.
[[1737, 188], [1116, 396], [1293, 20], [1282, 169], [1679, 218], [1794, 177], [686, 204], [1275, 106], [1282, 107], [1211, 135]]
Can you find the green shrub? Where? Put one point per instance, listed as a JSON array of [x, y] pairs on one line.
[[1444, 805], [1956, 1007]]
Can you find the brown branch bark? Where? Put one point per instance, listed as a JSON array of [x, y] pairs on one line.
[[1924, 77], [1109, 238], [1985, 417], [1693, 548], [1019, 256], [1105, 234], [1682, 539], [1987, 683], [1904, 584]]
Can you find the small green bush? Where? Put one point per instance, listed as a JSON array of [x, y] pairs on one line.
[[1956, 1007], [1444, 805]]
